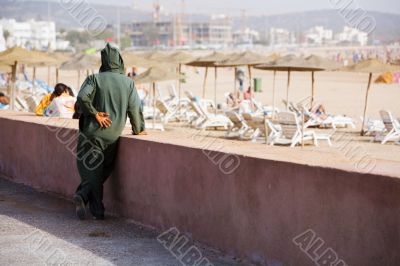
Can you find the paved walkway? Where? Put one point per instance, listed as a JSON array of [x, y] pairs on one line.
[[40, 229]]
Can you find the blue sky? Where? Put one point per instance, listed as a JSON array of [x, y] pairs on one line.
[[259, 6]]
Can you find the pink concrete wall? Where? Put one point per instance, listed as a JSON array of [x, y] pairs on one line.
[[254, 212]]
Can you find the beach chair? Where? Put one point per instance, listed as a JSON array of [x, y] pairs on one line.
[[330, 121], [205, 103], [165, 112], [21, 104], [292, 133], [32, 103], [373, 127], [392, 127], [207, 120], [238, 127], [257, 125]]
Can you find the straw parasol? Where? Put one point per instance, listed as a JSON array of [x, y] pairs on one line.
[[154, 56], [60, 58], [154, 75], [179, 58], [288, 64], [248, 59], [138, 60], [16, 55], [321, 62], [370, 67], [207, 62], [5, 68], [81, 62]]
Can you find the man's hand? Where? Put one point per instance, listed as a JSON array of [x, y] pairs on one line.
[[103, 119]]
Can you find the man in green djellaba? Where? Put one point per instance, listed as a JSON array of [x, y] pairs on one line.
[[106, 100]]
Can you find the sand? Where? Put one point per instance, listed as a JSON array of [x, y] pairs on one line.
[[341, 93]]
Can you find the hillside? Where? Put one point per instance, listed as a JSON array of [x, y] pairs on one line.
[[387, 29]]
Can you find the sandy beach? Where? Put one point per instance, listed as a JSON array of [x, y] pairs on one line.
[[341, 93]]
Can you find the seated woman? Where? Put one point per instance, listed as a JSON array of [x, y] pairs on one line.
[[59, 90], [62, 106]]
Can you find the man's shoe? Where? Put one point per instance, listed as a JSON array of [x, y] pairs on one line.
[[79, 207]]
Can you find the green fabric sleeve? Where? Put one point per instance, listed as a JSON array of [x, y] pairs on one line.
[[85, 97], [135, 112]]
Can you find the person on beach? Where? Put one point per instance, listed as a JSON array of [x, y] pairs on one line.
[[106, 99], [4, 101], [60, 90], [240, 78]]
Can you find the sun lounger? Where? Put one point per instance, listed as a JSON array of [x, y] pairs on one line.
[[166, 113], [21, 105], [32, 103], [330, 121], [392, 127], [373, 127], [257, 124], [238, 126], [292, 133], [206, 120]]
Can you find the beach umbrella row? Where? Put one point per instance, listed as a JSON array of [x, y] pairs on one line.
[[289, 64], [370, 67], [210, 61], [18, 55], [154, 75], [82, 62]]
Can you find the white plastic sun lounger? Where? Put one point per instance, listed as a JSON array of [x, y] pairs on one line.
[[392, 127], [330, 121], [206, 120], [292, 133], [238, 127]]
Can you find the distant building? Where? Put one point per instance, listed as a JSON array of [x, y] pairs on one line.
[[318, 36], [31, 34], [215, 32], [246, 37], [281, 37], [352, 36]]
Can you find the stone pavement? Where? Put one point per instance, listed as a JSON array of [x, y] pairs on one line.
[[41, 229]]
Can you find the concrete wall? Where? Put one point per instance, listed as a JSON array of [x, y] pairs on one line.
[[254, 212]]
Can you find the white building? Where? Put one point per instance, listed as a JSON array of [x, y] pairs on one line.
[[245, 37], [31, 34], [281, 37], [353, 36], [318, 36]]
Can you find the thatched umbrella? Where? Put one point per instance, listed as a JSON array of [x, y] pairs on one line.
[[138, 60], [321, 62], [16, 55], [289, 64], [370, 67], [154, 75], [60, 58], [179, 58], [81, 62], [207, 62], [5, 68], [154, 56], [249, 59]]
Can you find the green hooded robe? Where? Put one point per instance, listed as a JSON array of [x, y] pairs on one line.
[[113, 93]]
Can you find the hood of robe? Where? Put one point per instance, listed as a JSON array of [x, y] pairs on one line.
[[111, 60]]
